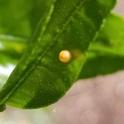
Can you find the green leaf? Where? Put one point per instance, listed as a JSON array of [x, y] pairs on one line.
[[40, 78], [14, 17], [111, 36], [11, 46], [11, 49], [106, 53]]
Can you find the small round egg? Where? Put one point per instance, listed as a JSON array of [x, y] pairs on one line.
[[65, 56]]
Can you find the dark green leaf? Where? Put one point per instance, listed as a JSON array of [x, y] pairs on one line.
[[40, 78]]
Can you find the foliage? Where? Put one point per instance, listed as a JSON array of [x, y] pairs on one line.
[[40, 30], [106, 52]]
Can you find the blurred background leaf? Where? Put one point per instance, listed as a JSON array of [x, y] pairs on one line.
[[106, 53], [14, 17], [12, 46]]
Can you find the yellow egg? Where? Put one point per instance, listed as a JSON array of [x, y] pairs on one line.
[[65, 56]]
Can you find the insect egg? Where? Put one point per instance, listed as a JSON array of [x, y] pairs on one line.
[[65, 56]]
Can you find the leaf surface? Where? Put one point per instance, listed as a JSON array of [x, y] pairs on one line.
[[40, 78]]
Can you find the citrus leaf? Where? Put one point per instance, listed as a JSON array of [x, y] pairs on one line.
[[40, 78]]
